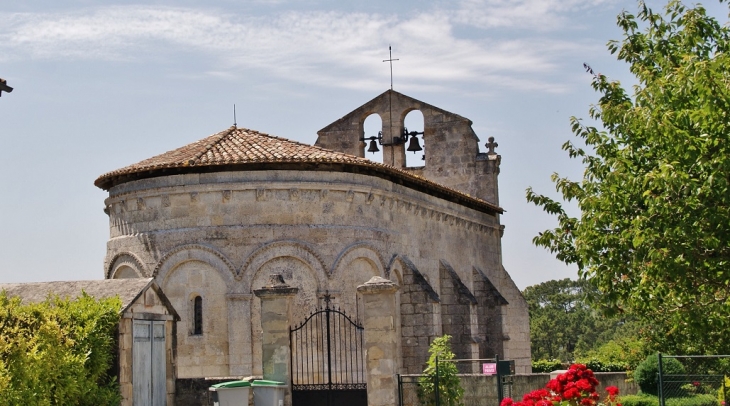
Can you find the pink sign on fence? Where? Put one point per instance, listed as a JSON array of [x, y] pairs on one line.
[[489, 368]]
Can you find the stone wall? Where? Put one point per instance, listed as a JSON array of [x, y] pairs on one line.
[[481, 390], [489, 314], [420, 318], [194, 391], [456, 307]]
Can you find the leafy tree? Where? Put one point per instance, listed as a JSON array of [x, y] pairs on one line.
[[653, 235], [449, 385], [563, 325]]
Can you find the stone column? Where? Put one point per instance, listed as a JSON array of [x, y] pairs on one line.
[[381, 340], [239, 334], [275, 321]]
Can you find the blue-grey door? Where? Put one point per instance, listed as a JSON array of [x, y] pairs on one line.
[[149, 363]]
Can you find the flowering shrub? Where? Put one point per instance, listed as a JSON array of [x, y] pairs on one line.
[[577, 387]]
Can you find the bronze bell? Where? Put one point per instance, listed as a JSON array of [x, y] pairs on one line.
[[373, 147], [414, 146]]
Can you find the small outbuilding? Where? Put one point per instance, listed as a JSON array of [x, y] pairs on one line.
[[146, 355]]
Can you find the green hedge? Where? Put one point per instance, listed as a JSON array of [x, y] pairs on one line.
[[58, 352], [544, 365], [650, 400], [639, 400], [604, 366], [695, 400]]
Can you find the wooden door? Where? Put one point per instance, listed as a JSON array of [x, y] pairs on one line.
[[149, 363]]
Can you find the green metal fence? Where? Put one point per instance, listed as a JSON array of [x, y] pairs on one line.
[[704, 375], [503, 369]]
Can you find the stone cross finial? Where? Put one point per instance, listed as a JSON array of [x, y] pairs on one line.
[[491, 145]]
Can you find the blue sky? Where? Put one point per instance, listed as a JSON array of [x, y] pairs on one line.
[[103, 84]]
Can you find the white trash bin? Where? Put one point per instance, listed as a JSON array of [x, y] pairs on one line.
[[268, 393], [233, 393]]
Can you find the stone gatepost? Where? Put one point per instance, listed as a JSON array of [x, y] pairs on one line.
[[381, 340], [275, 321]]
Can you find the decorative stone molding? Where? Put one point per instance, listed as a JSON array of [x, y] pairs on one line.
[[260, 194], [279, 249], [128, 259], [353, 252], [194, 252], [289, 191]]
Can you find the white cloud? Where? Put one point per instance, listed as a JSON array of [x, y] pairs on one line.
[[326, 48], [540, 15]]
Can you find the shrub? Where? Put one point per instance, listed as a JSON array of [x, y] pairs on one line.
[[544, 365], [605, 366], [58, 352], [450, 390], [721, 392], [646, 373], [639, 400], [695, 400]]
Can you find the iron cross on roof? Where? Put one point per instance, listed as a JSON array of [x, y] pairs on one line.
[[390, 53]]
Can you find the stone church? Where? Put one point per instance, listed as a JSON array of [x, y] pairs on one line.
[[212, 220]]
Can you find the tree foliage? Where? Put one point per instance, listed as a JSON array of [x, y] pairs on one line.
[[563, 325], [449, 385], [58, 352], [653, 235]]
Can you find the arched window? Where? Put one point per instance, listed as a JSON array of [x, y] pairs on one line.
[[198, 315]]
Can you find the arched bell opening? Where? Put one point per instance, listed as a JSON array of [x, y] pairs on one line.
[[372, 127], [414, 144]]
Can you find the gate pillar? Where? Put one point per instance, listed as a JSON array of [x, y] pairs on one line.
[[275, 321], [381, 340]]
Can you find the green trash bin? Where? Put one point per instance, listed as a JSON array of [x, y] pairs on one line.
[[268, 393], [234, 393]]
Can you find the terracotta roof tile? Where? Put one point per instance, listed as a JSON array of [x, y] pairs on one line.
[[241, 147]]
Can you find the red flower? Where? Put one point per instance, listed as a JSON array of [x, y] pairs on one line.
[[506, 402], [584, 385], [587, 402], [571, 393], [543, 402], [612, 391]]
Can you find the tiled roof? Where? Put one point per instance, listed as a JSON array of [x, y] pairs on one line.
[[127, 289], [238, 148]]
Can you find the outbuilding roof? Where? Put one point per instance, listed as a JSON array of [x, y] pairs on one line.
[[128, 290], [243, 149]]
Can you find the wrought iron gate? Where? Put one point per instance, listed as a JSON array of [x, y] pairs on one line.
[[327, 363]]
